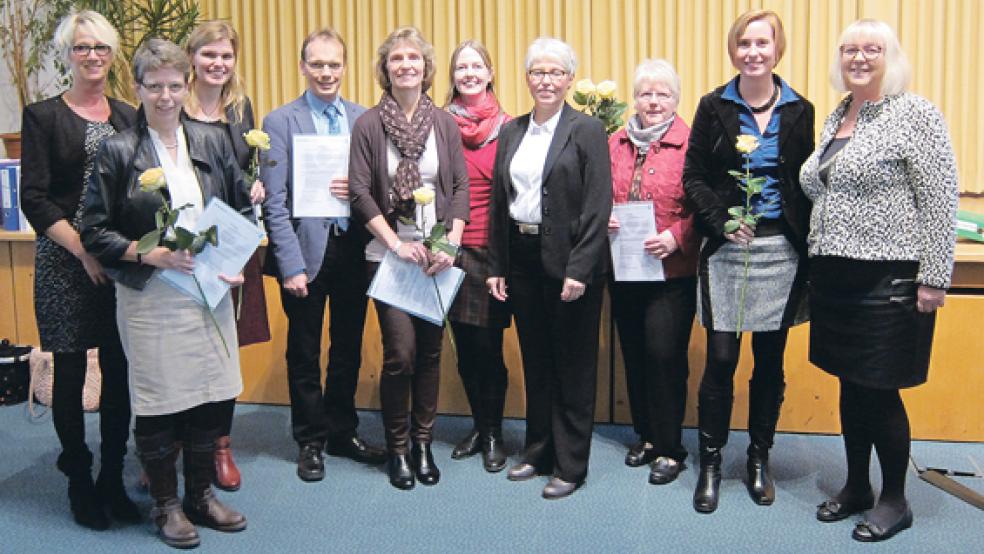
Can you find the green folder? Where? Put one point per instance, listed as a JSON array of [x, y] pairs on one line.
[[970, 225]]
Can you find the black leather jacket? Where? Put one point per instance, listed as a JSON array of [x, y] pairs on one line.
[[116, 212]]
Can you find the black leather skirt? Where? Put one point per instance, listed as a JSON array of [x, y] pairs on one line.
[[864, 324]]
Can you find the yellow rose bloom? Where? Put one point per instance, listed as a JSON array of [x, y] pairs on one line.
[[585, 87], [606, 89], [257, 139], [423, 196], [152, 179], [746, 144]]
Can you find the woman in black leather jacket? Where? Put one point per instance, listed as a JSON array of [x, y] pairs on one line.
[[182, 378]]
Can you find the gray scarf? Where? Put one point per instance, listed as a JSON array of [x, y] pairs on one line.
[[642, 138]]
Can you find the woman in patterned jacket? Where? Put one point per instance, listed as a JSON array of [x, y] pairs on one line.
[[884, 186]]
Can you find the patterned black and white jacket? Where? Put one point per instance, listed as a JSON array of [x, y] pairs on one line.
[[892, 190]]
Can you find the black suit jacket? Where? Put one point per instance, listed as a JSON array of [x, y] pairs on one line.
[[576, 198], [117, 212], [712, 153]]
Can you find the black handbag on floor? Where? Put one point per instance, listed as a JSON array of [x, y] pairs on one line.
[[14, 373]]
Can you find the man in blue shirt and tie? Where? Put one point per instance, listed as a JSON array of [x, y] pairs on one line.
[[318, 260]]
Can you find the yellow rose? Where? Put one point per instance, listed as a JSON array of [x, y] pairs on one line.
[[585, 87], [152, 179], [423, 196], [257, 139], [606, 89], [746, 144]]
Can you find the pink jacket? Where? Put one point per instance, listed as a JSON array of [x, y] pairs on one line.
[[662, 182]]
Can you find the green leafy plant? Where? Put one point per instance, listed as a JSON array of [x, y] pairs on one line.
[[599, 101], [26, 28], [166, 233]]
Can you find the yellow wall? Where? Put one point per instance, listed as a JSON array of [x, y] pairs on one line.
[[942, 38]]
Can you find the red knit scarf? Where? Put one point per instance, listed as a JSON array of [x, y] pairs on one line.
[[479, 124]]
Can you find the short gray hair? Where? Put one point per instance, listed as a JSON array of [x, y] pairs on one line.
[[157, 53], [898, 72], [657, 71], [92, 22], [549, 47]]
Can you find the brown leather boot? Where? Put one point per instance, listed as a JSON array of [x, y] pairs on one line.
[[227, 476], [158, 455], [200, 503]]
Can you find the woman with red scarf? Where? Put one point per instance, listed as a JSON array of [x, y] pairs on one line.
[[478, 319]]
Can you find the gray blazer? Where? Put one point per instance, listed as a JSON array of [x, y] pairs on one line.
[[296, 244]]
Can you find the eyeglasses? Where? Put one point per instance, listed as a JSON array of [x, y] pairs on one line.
[[82, 50], [158, 88], [868, 51], [655, 96], [554, 74], [319, 67]]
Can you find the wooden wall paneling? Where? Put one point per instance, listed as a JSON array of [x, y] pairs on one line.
[[22, 263], [8, 308]]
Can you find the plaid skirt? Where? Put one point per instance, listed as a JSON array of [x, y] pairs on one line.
[[474, 305]]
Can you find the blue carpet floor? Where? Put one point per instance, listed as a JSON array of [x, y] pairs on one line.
[[355, 510]]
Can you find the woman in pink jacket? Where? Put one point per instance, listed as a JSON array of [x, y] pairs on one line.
[[654, 318]]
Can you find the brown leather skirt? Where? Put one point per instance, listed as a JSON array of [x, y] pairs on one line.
[[864, 324]]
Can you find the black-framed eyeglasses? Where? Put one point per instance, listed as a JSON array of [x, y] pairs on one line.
[[82, 50]]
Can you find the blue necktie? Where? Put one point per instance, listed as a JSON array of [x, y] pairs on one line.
[[331, 112]]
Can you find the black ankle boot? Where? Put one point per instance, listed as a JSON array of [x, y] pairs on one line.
[[709, 481], [760, 484], [400, 472], [493, 451], [112, 495], [86, 508], [468, 446], [423, 464]]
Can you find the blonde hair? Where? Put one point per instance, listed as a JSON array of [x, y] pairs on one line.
[[234, 91], [483, 53], [898, 72], [414, 37], [90, 21], [744, 20]]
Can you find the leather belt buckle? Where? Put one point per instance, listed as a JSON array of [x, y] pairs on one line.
[[528, 228]]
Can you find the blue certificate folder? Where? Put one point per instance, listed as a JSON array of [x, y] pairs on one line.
[[406, 287], [238, 239]]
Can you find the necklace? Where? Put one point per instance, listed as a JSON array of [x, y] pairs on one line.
[[769, 104]]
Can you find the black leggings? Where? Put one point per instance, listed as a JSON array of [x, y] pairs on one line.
[[874, 417], [194, 422]]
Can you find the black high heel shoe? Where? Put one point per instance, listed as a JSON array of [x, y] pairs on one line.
[[400, 473], [867, 531], [423, 464]]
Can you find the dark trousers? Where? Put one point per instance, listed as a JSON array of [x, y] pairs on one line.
[[411, 377], [765, 390], [75, 460], [559, 345], [483, 373], [654, 321], [322, 413], [194, 424]]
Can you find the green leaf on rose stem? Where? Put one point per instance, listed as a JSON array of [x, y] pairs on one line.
[[619, 109], [731, 226], [148, 242], [444, 246], [757, 181], [750, 220], [754, 188], [172, 218], [159, 218], [170, 245], [407, 221], [183, 238], [212, 235], [438, 231], [736, 211], [736, 174], [580, 99], [197, 244]]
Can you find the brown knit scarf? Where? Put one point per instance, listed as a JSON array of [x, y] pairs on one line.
[[410, 139]]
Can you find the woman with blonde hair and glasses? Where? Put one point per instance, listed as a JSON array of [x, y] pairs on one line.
[[74, 301], [883, 181], [216, 96]]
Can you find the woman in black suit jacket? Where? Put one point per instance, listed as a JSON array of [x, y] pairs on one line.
[[551, 199], [758, 103]]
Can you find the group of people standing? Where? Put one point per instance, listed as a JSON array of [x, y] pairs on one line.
[[855, 233]]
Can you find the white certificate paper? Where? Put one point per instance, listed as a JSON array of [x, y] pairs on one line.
[[317, 160], [405, 286], [630, 261], [238, 239]]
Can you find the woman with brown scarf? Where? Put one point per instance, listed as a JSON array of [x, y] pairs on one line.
[[402, 144], [477, 318]]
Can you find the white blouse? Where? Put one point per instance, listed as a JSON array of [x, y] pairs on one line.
[[526, 170], [182, 183]]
